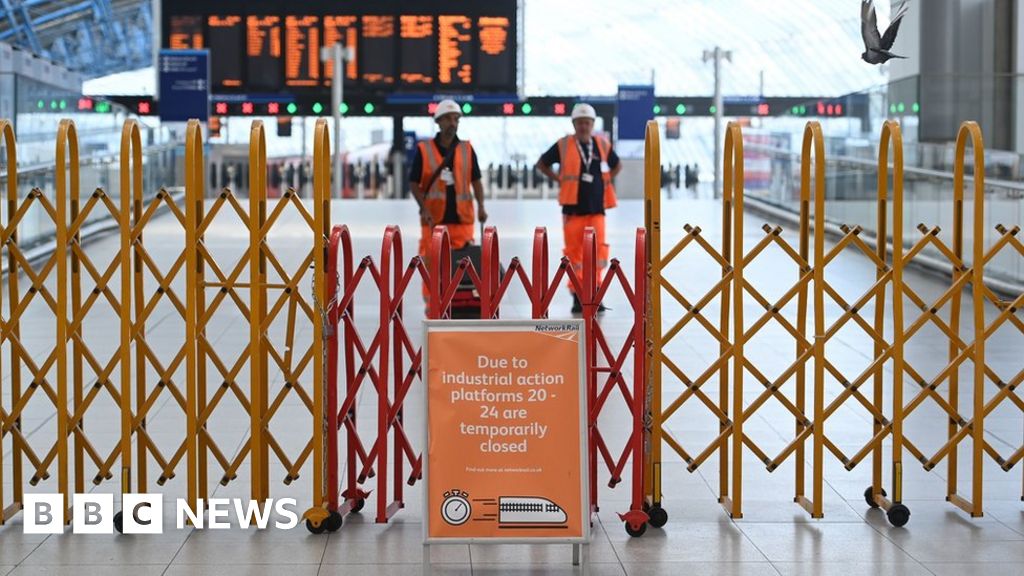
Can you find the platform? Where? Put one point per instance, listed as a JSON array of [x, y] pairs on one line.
[[775, 536]]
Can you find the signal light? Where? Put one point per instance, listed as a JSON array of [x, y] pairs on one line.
[[85, 103], [317, 108], [527, 108], [144, 107], [839, 109], [273, 108], [762, 109], [680, 109], [221, 108], [343, 108], [467, 108], [368, 108], [657, 109], [246, 107], [830, 110], [508, 108], [292, 108], [560, 108], [431, 108]]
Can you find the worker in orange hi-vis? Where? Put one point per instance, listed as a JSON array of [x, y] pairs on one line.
[[587, 165], [445, 179]]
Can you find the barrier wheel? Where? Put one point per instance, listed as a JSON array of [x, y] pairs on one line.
[[358, 504], [898, 515], [316, 528], [637, 532], [333, 522], [119, 522], [659, 516], [870, 500]]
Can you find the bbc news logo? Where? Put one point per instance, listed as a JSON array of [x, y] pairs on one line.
[[144, 514]]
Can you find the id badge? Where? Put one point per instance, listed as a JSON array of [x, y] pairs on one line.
[[447, 177], [588, 177]]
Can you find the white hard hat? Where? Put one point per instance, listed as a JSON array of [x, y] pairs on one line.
[[582, 110], [446, 107]]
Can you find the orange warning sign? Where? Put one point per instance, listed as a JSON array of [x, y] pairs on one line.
[[506, 431]]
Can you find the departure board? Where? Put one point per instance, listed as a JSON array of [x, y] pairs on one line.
[[378, 48], [418, 50], [186, 33], [496, 62], [263, 51], [302, 51], [455, 50], [344, 30], [265, 48], [225, 35]]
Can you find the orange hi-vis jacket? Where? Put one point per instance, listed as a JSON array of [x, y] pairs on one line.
[[462, 169], [569, 172]]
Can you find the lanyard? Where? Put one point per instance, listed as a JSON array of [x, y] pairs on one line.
[[590, 153]]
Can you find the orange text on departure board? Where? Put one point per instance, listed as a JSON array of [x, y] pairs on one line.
[[186, 33], [416, 28], [301, 47], [493, 34], [378, 26], [341, 29], [453, 36], [224, 21], [259, 29]]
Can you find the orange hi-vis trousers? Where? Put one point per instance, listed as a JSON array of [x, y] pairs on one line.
[[573, 227], [458, 234]]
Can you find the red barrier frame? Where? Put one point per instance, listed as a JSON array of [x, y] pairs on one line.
[[385, 355]]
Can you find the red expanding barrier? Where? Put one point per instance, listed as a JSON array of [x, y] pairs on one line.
[[386, 361]]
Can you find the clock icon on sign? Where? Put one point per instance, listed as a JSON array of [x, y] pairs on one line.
[[455, 508]]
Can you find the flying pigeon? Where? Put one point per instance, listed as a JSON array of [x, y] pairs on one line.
[[876, 47]]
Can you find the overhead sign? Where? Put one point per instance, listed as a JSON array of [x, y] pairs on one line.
[[414, 45], [184, 85], [634, 107], [506, 432]]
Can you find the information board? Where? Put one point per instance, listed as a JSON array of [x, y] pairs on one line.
[[225, 35], [496, 60], [455, 50], [184, 85], [344, 30], [418, 50], [506, 431], [263, 51], [634, 106], [413, 46], [301, 56], [378, 48]]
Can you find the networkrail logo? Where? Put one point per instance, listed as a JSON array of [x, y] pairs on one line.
[[144, 514], [557, 328]]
